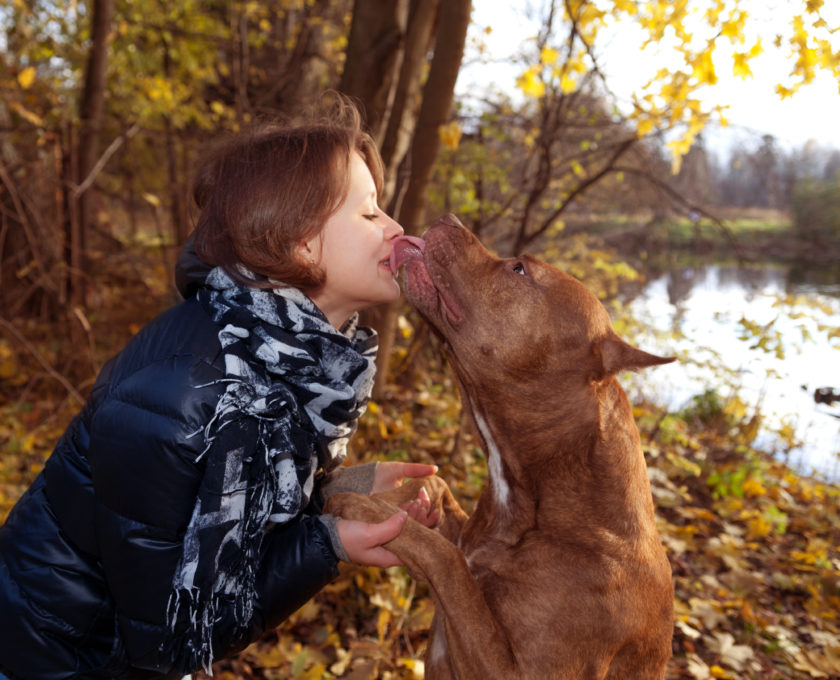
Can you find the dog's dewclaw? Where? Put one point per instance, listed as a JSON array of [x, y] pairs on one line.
[[406, 248]]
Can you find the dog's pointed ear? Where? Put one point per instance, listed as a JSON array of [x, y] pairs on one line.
[[617, 355]]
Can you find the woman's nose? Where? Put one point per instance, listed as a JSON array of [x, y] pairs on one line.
[[393, 228]]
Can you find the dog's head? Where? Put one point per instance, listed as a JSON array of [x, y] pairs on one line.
[[510, 321]]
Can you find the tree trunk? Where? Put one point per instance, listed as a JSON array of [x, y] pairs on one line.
[[402, 117], [453, 21], [92, 107], [435, 110], [374, 53]]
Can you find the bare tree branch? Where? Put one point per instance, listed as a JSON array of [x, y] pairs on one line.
[[677, 197], [103, 160], [609, 167], [11, 330]]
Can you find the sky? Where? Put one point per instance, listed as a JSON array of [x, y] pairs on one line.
[[753, 106]]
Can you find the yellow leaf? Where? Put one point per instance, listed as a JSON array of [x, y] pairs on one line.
[[450, 134], [704, 68], [8, 362], [644, 127], [785, 92], [548, 55], [404, 326], [26, 114], [567, 84], [758, 527], [27, 444], [344, 659], [8, 369], [734, 28], [740, 67], [808, 58], [417, 667], [627, 6], [382, 621], [151, 199], [754, 488], [26, 77], [679, 148], [530, 84]]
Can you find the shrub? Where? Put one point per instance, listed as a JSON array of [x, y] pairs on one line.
[[815, 207]]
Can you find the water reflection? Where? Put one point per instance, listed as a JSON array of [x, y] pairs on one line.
[[762, 332]]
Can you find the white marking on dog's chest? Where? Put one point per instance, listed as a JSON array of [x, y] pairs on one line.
[[494, 462], [437, 652]]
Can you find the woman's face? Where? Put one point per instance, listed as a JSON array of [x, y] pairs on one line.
[[353, 249]]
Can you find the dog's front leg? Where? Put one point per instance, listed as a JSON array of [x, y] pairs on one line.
[[476, 645]]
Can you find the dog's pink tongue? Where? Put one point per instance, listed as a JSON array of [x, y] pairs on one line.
[[406, 249]]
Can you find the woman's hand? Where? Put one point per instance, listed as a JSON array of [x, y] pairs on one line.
[[389, 475], [363, 542]]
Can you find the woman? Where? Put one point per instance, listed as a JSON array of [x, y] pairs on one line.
[[178, 517]]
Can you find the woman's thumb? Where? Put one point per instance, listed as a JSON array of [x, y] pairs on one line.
[[389, 529]]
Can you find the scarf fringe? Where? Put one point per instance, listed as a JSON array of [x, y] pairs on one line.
[[202, 616]]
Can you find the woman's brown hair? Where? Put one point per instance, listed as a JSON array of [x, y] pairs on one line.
[[264, 190]]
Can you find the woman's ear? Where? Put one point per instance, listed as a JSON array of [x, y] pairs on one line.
[[308, 251]]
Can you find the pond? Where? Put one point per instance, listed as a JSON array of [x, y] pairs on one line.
[[763, 333]]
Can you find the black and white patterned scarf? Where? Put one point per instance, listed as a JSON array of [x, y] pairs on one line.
[[296, 387]]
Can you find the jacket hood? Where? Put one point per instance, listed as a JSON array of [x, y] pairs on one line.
[[190, 270]]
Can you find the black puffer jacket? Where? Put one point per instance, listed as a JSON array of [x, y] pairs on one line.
[[88, 554]]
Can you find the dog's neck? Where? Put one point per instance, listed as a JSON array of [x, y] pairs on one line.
[[543, 470]]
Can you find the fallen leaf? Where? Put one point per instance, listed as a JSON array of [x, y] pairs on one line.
[[731, 654]]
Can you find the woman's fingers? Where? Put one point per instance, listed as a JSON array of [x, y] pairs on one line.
[[389, 474], [363, 541]]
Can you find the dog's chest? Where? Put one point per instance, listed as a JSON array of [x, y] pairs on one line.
[[489, 559]]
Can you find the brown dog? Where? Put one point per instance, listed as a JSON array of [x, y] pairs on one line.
[[559, 573]]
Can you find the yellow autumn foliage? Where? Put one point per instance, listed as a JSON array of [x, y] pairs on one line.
[[697, 34]]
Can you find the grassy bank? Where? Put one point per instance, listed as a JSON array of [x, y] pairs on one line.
[[748, 235]]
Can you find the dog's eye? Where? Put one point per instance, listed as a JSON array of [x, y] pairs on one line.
[[519, 268]]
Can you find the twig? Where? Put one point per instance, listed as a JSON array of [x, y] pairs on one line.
[[80, 315], [103, 160], [40, 359], [608, 167], [6, 179]]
